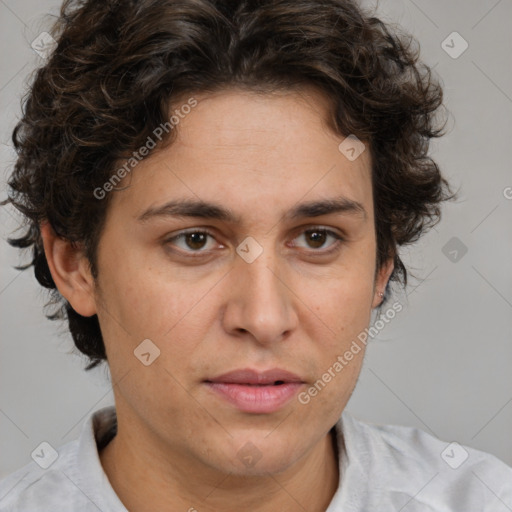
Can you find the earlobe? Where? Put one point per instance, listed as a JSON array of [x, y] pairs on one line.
[[70, 271]]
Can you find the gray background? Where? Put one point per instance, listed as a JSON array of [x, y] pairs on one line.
[[443, 364]]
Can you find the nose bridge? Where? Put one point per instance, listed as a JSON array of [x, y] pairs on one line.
[[263, 279], [262, 303]]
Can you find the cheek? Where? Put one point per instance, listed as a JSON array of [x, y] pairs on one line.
[[160, 395], [342, 312], [322, 402], [146, 303], [341, 307], [175, 316]]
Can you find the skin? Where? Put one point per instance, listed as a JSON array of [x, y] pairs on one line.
[[177, 442]]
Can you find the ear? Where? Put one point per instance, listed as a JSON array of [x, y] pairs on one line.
[[381, 281], [70, 270]]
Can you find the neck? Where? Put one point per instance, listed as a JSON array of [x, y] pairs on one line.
[[144, 480]]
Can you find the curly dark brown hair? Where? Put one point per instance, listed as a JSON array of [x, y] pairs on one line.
[[121, 65]]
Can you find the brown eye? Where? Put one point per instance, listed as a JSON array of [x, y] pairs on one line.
[[195, 240], [316, 238], [191, 241]]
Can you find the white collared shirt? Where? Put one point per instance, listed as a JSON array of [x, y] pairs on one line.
[[382, 468]]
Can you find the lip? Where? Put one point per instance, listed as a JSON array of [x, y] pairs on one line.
[[249, 376], [256, 392]]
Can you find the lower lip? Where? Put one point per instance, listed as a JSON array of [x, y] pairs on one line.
[[256, 399]]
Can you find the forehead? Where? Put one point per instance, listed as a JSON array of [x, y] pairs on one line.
[[245, 148]]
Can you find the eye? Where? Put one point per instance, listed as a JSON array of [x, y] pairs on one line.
[[193, 239], [317, 236], [196, 241]]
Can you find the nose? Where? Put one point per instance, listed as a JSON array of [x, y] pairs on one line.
[[260, 300]]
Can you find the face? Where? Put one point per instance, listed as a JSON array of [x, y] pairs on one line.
[[268, 285]]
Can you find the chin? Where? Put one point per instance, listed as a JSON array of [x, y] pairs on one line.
[[257, 458]]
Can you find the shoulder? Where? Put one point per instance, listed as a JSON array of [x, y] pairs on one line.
[[67, 478], [34, 488], [412, 464]]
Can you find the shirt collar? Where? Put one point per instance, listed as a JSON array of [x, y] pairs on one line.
[[97, 431]]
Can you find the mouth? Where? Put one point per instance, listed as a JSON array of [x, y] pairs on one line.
[[256, 392]]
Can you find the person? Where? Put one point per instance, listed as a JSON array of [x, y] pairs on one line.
[[216, 192]]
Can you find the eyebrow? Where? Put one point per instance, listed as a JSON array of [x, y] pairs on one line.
[[207, 210]]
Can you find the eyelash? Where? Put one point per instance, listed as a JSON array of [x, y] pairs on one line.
[[195, 254]]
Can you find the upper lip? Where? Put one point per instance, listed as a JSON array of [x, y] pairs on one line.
[[249, 376]]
